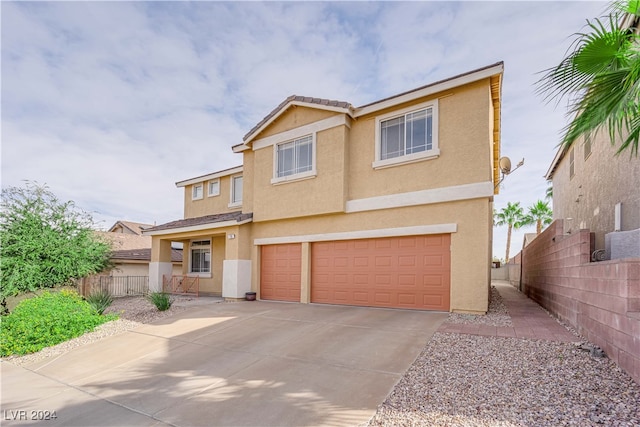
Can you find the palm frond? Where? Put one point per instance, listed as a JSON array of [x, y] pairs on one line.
[[600, 77], [590, 53]]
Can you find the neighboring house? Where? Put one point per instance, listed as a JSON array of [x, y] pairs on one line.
[[132, 251], [125, 235], [388, 204], [128, 227], [595, 189], [135, 262]]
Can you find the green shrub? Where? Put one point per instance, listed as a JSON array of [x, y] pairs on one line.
[[47, 320], [161, 300], [100, 300]]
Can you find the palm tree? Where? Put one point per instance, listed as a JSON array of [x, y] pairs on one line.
[[512, 217], [539, 214], [601, 79]]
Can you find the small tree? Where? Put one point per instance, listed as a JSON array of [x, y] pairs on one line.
[[45, 242], [601, 79], [512, 217], [539, 214]]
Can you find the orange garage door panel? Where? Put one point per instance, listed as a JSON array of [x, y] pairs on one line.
[[280, 272], [401, 272]]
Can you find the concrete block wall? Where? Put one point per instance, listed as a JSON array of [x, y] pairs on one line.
[[501, 273], [514, 275], [600, 299]]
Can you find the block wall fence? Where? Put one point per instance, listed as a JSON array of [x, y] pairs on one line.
[[601, 300]]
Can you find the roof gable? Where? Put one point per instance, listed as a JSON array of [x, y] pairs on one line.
[[490, 71], [295, 100], [133, 227]]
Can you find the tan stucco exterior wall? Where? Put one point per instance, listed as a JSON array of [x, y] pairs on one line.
[[322, 194], [600, 181], [345, 156], [160, 249], [239, 247], [464, 142], [209, 205], [294, 117], [248, 181]]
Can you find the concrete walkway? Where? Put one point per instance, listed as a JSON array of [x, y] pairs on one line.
[[234, 364], [528, 318]]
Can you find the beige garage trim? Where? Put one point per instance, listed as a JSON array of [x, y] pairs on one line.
[[398, 272], [280, 272]]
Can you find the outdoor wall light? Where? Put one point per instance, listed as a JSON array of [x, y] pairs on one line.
[[231, 236]]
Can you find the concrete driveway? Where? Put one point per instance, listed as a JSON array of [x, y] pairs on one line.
[[232, 364]]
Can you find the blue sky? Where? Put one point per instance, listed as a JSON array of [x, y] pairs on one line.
[[111, 103]]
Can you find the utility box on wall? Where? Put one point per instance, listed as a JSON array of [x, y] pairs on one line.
[[622, 244]]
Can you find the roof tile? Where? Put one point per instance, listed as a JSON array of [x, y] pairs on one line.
[[143, 254], [208, 219]]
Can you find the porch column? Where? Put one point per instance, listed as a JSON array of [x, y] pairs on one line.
[[236, 267], [160, 263]]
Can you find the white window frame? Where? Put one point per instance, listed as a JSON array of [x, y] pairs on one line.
[[209, 192], [296, 176], [194, 195], [190, 267], [433, 153], [572, 163], [587, 147], [232, 203]]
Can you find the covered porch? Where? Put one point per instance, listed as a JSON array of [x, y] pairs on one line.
[[216, 256]]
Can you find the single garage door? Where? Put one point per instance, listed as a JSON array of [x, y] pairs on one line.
[[400, 272], [280, 272]]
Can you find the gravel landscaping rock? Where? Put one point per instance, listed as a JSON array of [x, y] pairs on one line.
[[471, 380], [468, 380], [498, 315]]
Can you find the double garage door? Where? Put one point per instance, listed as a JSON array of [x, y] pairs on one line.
[[400, 272]]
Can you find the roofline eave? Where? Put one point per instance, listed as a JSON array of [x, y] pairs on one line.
[[199, 227]]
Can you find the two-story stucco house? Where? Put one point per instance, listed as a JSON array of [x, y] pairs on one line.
[[387, 205]]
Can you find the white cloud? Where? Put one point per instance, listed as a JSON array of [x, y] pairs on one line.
[[111, 103]]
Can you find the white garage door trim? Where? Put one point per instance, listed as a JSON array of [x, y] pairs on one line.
[[362, 234]]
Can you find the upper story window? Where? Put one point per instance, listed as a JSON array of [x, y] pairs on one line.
[[200, 257], [294, 159], [572, 165], [407, 135], [214, 188], [196, 192], [587, 147], [236, 191]]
